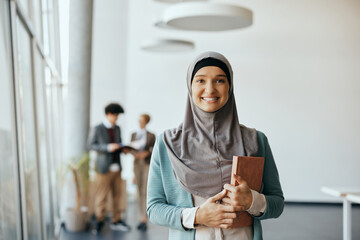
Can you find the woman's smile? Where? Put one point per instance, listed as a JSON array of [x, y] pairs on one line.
[[210, 99]]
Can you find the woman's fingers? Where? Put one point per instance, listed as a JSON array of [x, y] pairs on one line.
[[213, 214], [242, 184], [218, 196], [238, 195], [240, 203], [229, 208], [238, 178], [227, 216], [225, 226], [230, 187], [226, 200], [227, 223]]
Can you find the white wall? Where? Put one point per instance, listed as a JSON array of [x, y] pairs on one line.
[[109, 67], [109, 59], [296, 79]]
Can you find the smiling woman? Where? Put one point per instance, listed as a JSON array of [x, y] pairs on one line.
[[190, 168]]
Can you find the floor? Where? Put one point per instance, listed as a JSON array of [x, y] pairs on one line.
[[298, 222]]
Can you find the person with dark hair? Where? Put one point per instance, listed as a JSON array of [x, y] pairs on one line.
[[189, 187], [144, 140], [113, 108], [105, 139]]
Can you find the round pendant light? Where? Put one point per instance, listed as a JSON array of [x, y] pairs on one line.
[[203, 16], [167, 45], [178, 1]]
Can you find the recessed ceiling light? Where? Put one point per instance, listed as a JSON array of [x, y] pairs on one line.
[[166, 45], [203, 16]]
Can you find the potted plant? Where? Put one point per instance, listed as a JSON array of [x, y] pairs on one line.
[[77, 218]]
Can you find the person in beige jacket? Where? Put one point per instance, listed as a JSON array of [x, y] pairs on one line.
[[144, 140]]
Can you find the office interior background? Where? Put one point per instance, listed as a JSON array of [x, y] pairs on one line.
[[296, 78]]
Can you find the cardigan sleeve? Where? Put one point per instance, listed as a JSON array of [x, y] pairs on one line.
[[271, 183], [158, 209]]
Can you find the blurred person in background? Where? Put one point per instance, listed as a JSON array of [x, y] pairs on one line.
[[144, 141], [105, 139]]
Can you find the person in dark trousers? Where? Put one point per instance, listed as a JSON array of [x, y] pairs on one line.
[[105, 139], [145, 141]]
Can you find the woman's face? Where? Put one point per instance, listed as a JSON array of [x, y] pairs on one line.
[[142, 122], [210, 88]]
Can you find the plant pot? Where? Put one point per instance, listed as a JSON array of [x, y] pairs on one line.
[[85, 212], [75, 220]]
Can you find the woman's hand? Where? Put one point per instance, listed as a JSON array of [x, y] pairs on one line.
[[214, 214], [238, 196], [142, 154]]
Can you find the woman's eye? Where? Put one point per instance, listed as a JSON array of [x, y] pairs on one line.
[[200, 81], [220, 81]]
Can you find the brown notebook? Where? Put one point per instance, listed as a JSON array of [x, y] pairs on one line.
[[251, 170]]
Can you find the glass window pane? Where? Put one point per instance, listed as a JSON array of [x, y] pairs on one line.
[[25, 6], [55, 177], [44, 154], [45, 18], [37, 17], [9, 197], [50, 28], [27, 132]]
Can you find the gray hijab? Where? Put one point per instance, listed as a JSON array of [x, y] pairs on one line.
[[202, 147]]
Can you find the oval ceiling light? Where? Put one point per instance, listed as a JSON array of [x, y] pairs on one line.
[[166, 45], [178, 1], [203, 16]]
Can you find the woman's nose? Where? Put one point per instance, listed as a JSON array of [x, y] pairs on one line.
[[209, 88]]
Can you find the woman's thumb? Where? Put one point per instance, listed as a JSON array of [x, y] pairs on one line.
[[219, 196]]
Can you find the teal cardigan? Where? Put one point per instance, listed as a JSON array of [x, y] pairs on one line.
[[166, 199]]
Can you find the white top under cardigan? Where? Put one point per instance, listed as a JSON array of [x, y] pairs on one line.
[[114, 167], [257, 207]]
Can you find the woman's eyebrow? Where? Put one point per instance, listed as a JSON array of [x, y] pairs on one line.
[[203, 75]]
